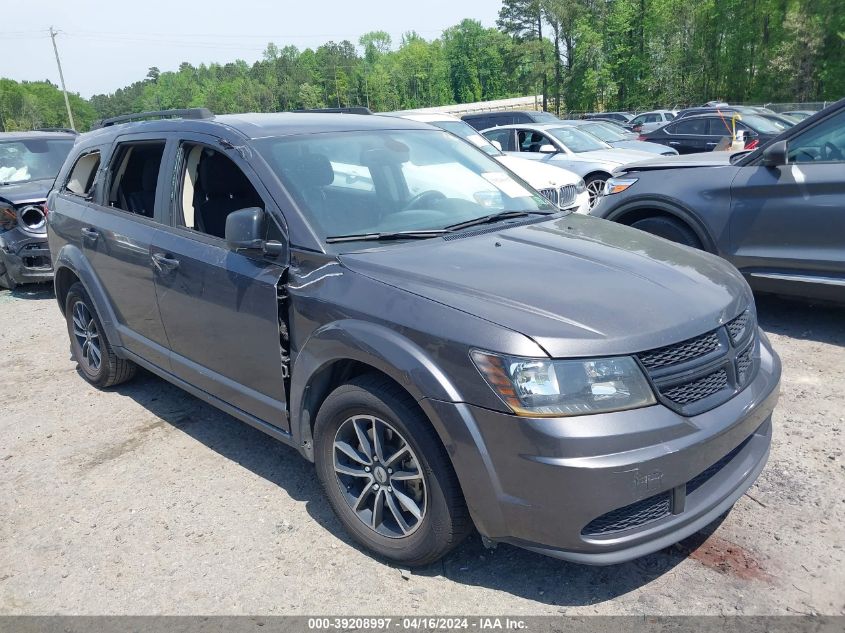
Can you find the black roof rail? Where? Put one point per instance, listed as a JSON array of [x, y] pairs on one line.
[[349, 110], [184, 113]]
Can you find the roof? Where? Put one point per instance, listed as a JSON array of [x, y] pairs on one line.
[[423, 117], [262, 125], [26, 136], [531, 126]]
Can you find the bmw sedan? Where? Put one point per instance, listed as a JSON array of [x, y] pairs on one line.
[[616, 138]]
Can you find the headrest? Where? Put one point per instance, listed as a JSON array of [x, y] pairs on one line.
[[314, 170], [149, 174], [219, 175]]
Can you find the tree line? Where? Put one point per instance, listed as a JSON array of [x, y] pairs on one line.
[[582, 55]]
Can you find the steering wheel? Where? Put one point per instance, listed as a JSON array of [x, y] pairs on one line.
[[429, 196], [831, 152]]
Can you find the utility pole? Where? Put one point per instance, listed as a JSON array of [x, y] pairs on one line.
[[62, 77]]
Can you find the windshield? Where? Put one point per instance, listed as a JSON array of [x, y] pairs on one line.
[[544, 117], [761, 125], [386, 181], [575, 140], [32, 159], [604, 132], [468, 133]]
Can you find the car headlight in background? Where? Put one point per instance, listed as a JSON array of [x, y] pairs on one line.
[[617, 185], [580, 186], [535, 387]]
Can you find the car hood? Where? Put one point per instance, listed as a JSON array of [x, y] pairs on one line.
[[645, 146], [577, 285], [702, 159], [538, 175], [615, 156], [27, 191]]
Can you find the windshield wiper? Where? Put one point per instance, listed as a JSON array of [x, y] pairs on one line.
[[495, 217], [396, 235]]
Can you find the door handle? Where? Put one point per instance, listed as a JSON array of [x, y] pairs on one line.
[[674, 142], [164, 264], [89, 234]]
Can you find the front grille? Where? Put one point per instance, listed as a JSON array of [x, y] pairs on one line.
[[682, 352], [722, 361], [698, 389], [631, 516], [702, 478], [551, 195], [566, 196]]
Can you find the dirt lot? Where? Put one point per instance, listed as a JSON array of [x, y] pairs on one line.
[[144, 500]]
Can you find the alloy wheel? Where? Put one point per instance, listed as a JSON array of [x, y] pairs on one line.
[[595, 188], [87, 336], [380, 476]]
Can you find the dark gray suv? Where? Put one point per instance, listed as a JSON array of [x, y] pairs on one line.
[[447, 347]]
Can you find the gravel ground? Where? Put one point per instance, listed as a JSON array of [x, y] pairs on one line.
[[144, 500]]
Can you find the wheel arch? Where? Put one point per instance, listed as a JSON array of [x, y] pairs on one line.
[[633, 211]]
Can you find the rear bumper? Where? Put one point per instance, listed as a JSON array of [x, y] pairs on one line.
[[608, 488], [25, 258]]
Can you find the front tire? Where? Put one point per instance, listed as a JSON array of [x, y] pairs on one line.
[[670, 229], [595, 187], [6, 280], [89, 346], [386, 473]]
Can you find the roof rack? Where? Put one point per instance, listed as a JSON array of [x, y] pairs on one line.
[[349, 110], [184, 113]]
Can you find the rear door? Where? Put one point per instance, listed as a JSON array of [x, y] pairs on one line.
[[688, 135], [117, 232], [788, 222], [220, 308]]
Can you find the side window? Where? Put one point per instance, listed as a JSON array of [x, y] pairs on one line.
[[719, 127], [652, 118], [530, 141], [504, 137], [133, 177], [81, 178], [690, 126], [824, 142], [211, 186], [668, 116], [638, 120]]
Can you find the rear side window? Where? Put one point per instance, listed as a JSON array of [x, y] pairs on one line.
[[133, 177], [690, 126], [81, 179], [504, 137], [717, 126]]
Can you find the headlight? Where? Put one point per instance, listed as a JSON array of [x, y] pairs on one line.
[[535, 387], [617, 185], [580, 186]]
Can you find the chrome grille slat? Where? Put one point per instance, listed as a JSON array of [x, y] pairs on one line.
[[551, 195]]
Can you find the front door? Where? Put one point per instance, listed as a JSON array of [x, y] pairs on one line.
[[117, 234], [788, 222], [220, 308]]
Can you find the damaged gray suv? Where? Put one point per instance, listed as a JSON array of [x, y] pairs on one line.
[[449, 349]]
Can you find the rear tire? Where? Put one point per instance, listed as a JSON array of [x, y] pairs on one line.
[[89, 346], [409, 510], [670, 229]]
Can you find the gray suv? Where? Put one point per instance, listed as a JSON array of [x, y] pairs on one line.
[[450, 349]]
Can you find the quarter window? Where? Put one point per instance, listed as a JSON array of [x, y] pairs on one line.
[[81, 178], [133, 177]]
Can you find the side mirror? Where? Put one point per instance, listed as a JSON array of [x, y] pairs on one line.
[[245, 230], [548, 149], [775, 155], [497, 145]]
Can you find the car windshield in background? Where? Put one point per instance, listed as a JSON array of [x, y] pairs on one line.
[[544, 117], [576, 140], [603, 132], [761, 125], [468, 133], [32, 159], [390, 181]]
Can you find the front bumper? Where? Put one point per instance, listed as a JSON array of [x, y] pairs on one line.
[[25, 257], [581, 204], [545, 484]]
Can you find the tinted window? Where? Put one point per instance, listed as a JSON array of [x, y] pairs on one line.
[[690, 126], [824, 142], [542, 117], [669, 116], [717, 126], [504, 137], [764, 126]]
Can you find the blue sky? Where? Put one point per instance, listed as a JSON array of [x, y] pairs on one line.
[[106, 45]]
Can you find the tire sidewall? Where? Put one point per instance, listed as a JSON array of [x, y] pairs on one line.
[[75, 295], [349, 401]]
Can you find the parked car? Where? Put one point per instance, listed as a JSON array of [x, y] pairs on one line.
[[29, 162], [704, 133], [484, 120], [614, 138], [567, 147], [799, 114], [621, 117], [649, 121], [775, 213], [560, 186], [725, 110], [409, 343]]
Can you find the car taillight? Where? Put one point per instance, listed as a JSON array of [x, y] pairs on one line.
[[752, 144]]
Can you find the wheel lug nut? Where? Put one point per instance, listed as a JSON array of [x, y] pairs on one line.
[[389, 489], [389, 471], [375, 487], [366, 469]]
